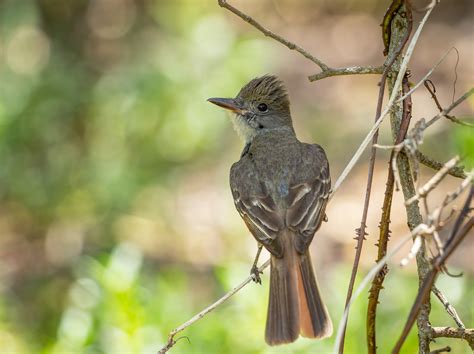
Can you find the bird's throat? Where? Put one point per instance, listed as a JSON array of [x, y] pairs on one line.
[[245, 131]]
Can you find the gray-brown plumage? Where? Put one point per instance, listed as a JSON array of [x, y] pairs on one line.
[[280, 188]]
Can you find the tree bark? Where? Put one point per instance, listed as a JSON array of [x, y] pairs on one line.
[[414, 217]]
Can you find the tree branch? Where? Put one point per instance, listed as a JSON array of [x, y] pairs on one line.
[[419, 83], [326, 70], [448, 307], [449, 332], [268, 33], [445, 349], [434, 181], [384, 229], [456, 171], [172, 341], [444, 112], [432, 90], [414, 217], [352, 70]]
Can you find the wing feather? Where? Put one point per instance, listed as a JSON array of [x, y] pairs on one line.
[[302, 210]]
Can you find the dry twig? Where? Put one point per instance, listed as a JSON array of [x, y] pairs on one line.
[[456, 171], [448, 307], [434, 181], [445, 349], [210, 308], [428, 74], [326, 71], [444, 112], [449, 332], [432, 90]]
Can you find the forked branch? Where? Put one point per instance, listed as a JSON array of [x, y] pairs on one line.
[[326, 71]]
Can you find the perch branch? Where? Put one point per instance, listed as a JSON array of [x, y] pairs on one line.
[[207, 310]]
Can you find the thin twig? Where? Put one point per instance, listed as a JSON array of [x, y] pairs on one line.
[[268, 33], [419, 83], [207, 310], [445, 349], [434, 181], [445, 111], [432, 90], [326, 71], [456, 171], [363, 284], [449, 332], [352, 70], [448, 307]]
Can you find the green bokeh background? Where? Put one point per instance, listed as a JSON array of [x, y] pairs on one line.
[[106, 136]]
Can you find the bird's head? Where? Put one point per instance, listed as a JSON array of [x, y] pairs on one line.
[[260, 106]]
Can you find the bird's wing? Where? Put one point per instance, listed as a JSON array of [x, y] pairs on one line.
[[257, 208], [307, 199]]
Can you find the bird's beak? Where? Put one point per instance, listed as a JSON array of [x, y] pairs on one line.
[[227, 103]]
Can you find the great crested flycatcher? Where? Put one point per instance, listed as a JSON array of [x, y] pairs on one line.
[[280, 188]]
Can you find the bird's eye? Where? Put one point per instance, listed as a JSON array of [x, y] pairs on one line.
[[262, 107]]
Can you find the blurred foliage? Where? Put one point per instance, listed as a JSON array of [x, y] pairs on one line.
[[464, 140], [103, 124]]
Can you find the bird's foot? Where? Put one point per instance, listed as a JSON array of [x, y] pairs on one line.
[[255, 273]]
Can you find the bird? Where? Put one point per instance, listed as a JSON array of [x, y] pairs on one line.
[[280, 188]]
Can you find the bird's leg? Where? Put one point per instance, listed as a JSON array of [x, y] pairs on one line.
[[254, 270]]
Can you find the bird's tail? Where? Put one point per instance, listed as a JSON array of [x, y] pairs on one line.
[[314, 318], [295, 305]]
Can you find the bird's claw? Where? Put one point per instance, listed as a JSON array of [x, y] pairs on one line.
[[255, 272]]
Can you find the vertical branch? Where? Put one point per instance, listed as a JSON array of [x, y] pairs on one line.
[[382, 251], [393, 54], [414, 217], [384, 228]]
